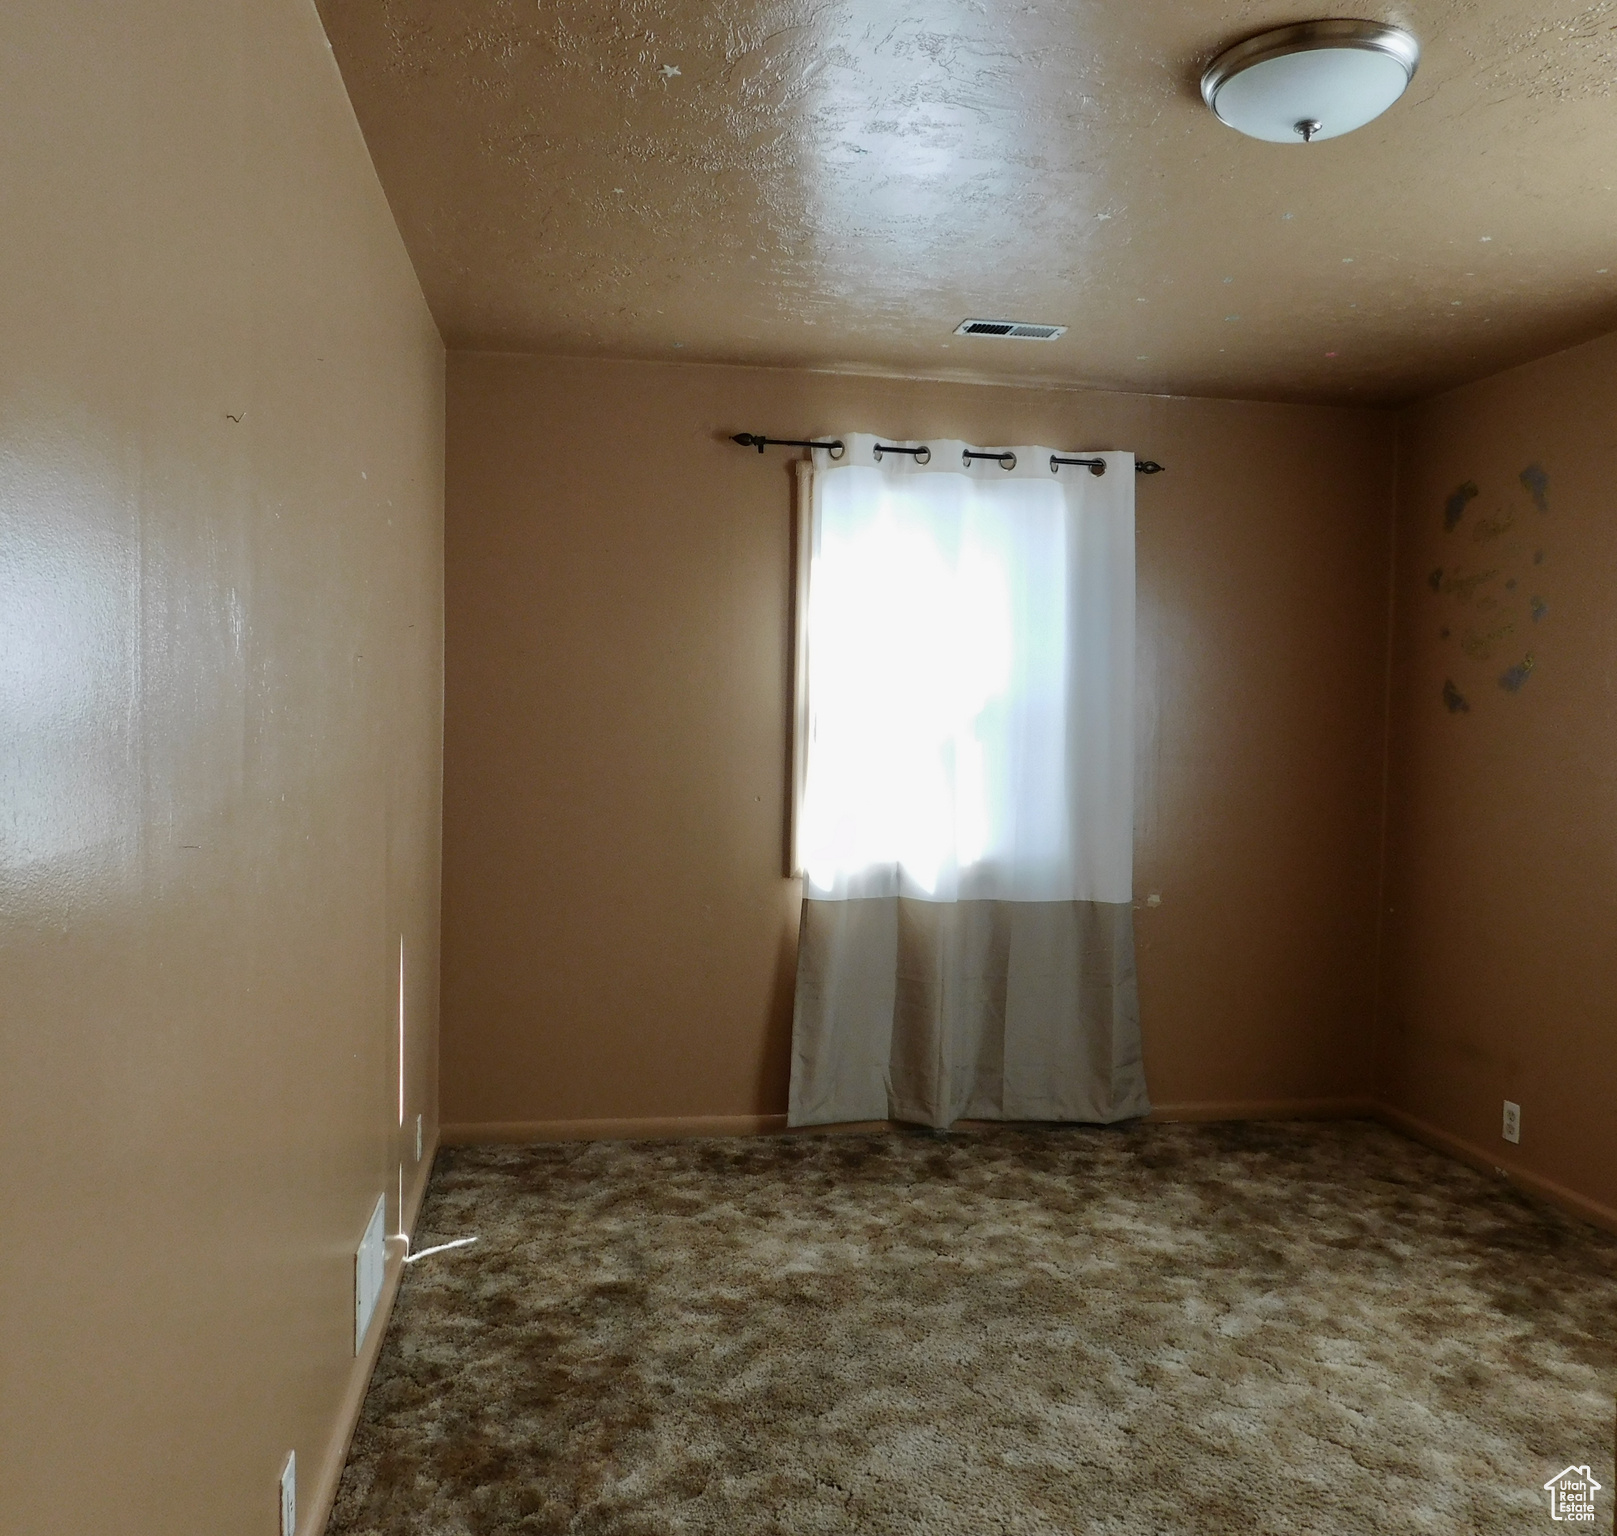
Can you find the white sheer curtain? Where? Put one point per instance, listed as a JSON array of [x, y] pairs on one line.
[[968, 660]]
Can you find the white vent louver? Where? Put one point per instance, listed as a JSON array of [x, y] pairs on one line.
[[1011, 330], [370, 1270]]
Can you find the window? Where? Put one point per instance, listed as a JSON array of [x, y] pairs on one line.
[[968, 665]]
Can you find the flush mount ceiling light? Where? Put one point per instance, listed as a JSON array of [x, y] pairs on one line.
[[1311, 81]]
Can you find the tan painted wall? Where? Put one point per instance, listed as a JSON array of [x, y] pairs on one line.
[[619, 941], [220, 683], [1503, 903]]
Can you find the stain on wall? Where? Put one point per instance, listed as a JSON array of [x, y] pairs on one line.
[[1454, 507], [1537, 484], [1512, 678], [1501, 900], [1482, 606]]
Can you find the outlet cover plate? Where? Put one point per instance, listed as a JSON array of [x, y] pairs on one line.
[[1512, 1130]]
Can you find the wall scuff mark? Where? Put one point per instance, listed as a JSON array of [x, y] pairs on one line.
[[1537, 482], [1512, 678], [1454, 507]]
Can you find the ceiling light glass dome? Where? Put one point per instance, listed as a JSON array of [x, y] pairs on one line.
[[1313, 81]]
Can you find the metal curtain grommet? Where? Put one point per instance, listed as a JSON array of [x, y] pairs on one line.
[[1094, 466]]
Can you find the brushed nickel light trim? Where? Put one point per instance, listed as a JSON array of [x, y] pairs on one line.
[[1339, 34], [1010, 330]]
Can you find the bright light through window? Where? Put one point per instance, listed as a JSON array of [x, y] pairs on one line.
[[937, 644]]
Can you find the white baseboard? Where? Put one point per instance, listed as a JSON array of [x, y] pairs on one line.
[[324, 1491]]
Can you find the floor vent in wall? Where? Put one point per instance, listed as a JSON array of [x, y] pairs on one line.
[[1011, 330], [370, 1267]]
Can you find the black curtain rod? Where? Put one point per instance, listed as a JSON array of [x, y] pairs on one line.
[[752, 440], [922, 455]]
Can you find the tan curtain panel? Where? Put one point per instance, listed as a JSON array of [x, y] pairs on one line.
[[934, 1012]]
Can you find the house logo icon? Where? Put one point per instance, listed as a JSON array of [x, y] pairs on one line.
[[1572, 1495]]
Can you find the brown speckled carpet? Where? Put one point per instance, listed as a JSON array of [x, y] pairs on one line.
[[1159, 1329]]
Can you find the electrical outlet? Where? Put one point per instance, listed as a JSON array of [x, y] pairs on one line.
[[1513, 1122], [289, 1495], [418, 1138]]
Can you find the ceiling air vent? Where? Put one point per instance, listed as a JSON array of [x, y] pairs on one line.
[[1011, 330]]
